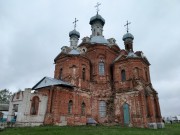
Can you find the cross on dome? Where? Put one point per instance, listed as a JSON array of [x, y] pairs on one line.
[[97, 7], [75, 23], [127, 26]]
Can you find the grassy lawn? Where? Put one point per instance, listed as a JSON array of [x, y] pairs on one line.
[[173, 129]]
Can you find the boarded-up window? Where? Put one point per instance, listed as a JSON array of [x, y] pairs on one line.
[[70, 106], [34, 105], [102, 109]]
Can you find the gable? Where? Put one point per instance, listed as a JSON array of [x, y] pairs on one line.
[[48, 81]]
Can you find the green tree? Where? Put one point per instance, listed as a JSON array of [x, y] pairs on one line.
[[5, 95]]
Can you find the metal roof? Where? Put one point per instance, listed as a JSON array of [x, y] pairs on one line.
[[127, 36], [48, 81], [99, 39], [131, 54], [74, 51], [97, 17], [74, 32]]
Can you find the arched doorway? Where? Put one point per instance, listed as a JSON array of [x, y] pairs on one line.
[[126, 114]]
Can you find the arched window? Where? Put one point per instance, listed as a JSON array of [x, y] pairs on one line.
[[60, 74], [83, 108], [101, 68], [34, 105], [83, 74], [123, 75], [70, 106], [102, 109]]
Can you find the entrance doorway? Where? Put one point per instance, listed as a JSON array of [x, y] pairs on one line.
[[126, 114]]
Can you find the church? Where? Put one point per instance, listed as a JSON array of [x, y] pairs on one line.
[[95, 81]]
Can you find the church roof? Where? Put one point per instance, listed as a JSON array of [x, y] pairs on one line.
[[95, 18], [74, 32], [74, 52], [131, 54], [127, 36], [48, 81], [99, 39]]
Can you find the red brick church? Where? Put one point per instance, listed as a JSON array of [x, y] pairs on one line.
[[96, 81]]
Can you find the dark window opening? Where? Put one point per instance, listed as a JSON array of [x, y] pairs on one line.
[[70, 106], [60, 74], [123, 75], [83, 108]]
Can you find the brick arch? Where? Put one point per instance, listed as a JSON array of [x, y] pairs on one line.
[[101, 57], [34, 105]]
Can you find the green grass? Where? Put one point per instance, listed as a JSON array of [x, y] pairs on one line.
[[173, 129]]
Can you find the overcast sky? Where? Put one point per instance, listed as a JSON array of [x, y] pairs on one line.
[[32, 33]]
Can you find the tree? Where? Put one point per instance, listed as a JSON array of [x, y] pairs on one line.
[[5, 95]]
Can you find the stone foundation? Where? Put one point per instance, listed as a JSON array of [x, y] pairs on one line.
[[152, 125], [160, 125]]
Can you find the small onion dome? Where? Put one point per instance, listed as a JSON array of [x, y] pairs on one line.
[[95, 18], [74, 32], [127, 36]]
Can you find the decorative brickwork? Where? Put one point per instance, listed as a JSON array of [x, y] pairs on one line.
[[108, 84]]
